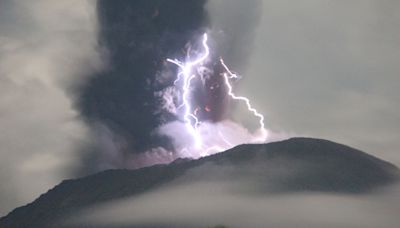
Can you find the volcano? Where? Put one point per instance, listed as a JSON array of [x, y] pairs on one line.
[[286, 167]]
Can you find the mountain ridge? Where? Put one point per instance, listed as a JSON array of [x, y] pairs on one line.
[[293, 165]]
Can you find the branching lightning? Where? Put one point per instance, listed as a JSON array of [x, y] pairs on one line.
[[188, 76], [192, 123]]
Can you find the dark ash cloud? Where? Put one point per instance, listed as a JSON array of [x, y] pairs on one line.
[[138, 36]]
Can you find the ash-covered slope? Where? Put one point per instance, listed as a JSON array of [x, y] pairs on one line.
[[298, 164]]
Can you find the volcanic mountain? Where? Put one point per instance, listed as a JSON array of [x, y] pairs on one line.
[[290, 166]]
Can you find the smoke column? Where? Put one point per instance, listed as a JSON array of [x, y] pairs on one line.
[[121, 103], [164, 93]]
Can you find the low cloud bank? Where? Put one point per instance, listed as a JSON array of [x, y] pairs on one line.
[[205, 204]]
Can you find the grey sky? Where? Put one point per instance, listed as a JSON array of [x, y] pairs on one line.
[[326, 69], [45, 47]]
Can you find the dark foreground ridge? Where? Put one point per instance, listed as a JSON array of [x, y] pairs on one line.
[[294, 165]]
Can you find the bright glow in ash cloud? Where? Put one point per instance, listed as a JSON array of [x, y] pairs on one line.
[[193, 137]]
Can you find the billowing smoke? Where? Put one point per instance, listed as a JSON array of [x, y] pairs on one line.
[[119, 103], [138, 107]]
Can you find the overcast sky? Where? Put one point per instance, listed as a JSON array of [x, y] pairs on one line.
[[45, 47], [325, 68], [320, 68]]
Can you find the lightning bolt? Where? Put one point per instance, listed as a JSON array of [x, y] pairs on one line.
[[187, 74], [263, 132]]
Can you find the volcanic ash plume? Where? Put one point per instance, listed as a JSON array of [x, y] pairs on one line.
[[166, 93]]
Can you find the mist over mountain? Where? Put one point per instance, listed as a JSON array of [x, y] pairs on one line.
[[294, 166]]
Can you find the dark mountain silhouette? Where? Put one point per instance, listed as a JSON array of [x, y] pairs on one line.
[[294, 165]]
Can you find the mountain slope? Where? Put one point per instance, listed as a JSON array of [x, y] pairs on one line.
[[294, 165]]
